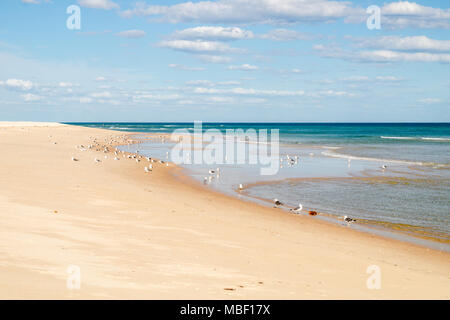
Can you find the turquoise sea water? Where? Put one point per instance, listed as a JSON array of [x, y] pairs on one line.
[[340, 171]]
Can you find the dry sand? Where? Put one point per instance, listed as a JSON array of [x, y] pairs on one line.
[[136, 235]]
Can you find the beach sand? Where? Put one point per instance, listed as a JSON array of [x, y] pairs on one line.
[[137, 235]]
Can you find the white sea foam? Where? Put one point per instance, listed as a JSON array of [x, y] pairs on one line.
[[346, 156], [436, 139], [416, 138], [399, 138]]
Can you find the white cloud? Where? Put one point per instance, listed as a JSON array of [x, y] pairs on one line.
[[31, 1], [208, 83], [185, 68], [213, 33], [18, 84], [414, 43], [430, 100], [100, 79], [392, 56], [284, 35], [156, 97], [244, 67], [356, 78], [228, 83], [65, 84], [103, 94], [246, 11], [98, 4], [200, 82], [375, 79], [381, 55], [29, 97], [271, 93], [131, 34], [333, 93], [404, 14], [197, 46], [85, 100], [214, 58], [398, 14], [388, 78], [248, 91], [218, 99]]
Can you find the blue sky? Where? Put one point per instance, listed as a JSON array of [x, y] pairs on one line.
[[225, 60]]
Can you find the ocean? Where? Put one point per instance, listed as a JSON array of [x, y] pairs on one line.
[[393, 178]]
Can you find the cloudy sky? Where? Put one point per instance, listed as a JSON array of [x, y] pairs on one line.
[[225, 60]]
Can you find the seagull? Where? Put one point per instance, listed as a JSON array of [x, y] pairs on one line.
[[383, 166], [96, 160], [211, 172], [74, 159], [277, 202], [298, 209], [241, 187], [116, 158], [349, 220], [146, 169]]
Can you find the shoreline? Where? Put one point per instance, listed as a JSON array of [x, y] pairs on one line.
[[149, 236], [414, 234]]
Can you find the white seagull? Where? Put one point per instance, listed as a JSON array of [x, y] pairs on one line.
[[277, 202], [349, 220], [298, 209]]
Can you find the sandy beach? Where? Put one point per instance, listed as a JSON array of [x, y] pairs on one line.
[[159, 235]]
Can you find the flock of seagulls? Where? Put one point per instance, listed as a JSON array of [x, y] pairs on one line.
[[213, 173], [110, 143], [277, 204], [289, 161]]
